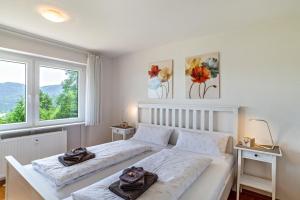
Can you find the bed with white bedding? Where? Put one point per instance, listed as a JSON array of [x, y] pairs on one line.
[[176, 171], [214, 183], [106, 155], [209, 185], [15, 184], [91, 178]]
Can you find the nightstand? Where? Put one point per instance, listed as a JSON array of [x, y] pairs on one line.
[[259, 154], [118, 130]]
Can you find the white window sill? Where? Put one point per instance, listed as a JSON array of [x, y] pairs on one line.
[[41, 128]]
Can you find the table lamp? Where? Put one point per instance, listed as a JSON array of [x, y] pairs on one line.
[[265, 122]]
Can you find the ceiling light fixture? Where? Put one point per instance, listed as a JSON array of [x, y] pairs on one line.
[[53, 14]]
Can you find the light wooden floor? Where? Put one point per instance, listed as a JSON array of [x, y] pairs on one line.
[[2, 189]]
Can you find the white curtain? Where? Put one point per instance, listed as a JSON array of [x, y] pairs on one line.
[[93, 90]]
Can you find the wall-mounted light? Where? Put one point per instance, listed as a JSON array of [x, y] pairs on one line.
[[129, 113], [53, 14]]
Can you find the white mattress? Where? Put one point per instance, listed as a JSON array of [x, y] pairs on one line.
[[94, 177], [212, 181]]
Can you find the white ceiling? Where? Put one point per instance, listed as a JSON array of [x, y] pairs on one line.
[[114, 27]]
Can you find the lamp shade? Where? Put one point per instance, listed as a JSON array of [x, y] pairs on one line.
[[262, 132]]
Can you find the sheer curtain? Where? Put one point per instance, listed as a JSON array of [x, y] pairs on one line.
[[93, 90]]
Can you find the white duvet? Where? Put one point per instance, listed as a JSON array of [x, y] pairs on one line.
[[106, 155], [176, 171]]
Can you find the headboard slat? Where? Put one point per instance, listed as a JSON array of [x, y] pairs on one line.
[[211, 121], [167, 117], [161, 116], [180, 121], [149, 115], [173, 118], [187, 118], [202, 118], [194, 119], [155, 115]]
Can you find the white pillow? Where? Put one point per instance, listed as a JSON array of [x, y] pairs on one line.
[[204, 143], [221, 139], [153, 134]]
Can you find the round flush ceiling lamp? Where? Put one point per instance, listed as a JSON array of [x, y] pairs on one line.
[[53, 14]]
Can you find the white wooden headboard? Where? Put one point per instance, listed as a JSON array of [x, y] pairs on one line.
[[197, 117]]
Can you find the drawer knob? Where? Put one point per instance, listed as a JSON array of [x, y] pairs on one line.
[[255, 155]]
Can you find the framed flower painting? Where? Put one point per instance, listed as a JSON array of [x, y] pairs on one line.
[[160, 80], [202, 76]]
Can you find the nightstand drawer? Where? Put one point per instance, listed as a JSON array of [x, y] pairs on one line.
[[119, 131], [257, 156]]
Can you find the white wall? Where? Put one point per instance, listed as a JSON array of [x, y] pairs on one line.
[[18, 42], [259, 71]]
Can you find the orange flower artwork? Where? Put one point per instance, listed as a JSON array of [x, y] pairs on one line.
[[202, 76]]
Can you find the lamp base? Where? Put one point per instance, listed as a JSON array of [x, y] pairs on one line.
[[266, 146]]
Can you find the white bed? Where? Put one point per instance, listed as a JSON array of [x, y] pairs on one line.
[[106, 155], [94, 177], [212, 183], [215, 182], [14, 191]]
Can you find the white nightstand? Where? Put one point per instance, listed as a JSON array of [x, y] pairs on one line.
[[121, 131], [262, 155]]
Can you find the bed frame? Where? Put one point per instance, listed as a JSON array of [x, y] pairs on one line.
[[197, 117], [20, 184]]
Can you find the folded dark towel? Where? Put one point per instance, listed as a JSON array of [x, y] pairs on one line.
[[77, 151], [132, 186], [150, 179], [75, 156], [132, 175]]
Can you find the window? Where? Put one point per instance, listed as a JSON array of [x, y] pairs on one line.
[[38, 92], [58, 93], [12, 92]]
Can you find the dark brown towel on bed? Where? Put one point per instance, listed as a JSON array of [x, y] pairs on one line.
[[139, 185], [76, 151], [150, 179], [75, 156], [132, 175]]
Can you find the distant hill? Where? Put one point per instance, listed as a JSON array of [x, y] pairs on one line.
[[52, 90], [10, 93]]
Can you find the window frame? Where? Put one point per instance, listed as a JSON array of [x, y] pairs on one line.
[[10, 57], [81, 91], [32, 90]]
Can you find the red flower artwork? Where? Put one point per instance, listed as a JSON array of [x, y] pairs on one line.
[[200, 74], [153, 71]]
